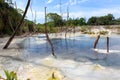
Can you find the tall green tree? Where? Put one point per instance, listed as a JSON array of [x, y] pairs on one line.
[[102, 20], [92, 21], [110, 19], [117, 21], [55, 19], [82, 21]]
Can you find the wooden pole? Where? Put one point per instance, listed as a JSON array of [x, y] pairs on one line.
[[60, 15], [67, 22], [15, 5], [96, 41], [107, 44]]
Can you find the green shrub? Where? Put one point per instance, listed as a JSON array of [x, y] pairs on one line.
[[10, 75], [41, 29], [83, 29], [103, 32]]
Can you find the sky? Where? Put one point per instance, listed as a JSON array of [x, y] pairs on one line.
[[77, 8]]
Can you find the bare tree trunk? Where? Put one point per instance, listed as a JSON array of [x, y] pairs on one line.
[[95, 44], [11, 26], [61, 16], [66, 30], [46, 33], [15, 5], [107, 44], [74, 30], [17, 28], [34, 20]]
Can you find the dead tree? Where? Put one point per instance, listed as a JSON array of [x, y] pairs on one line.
[[17, 28], [15, 5], [61, 16], [10, 23], [96, 41], [107, 44], [46, 33], [67, 22], [34, 20]]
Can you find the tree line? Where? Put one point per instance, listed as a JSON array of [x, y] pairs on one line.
[[55, 20]]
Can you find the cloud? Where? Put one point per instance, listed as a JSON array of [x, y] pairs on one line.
[[101, 12], [49, 1], [39, 15], [57, 6], [62, 5], [72, 2], [21, 4], [82, 1], [87, 12]]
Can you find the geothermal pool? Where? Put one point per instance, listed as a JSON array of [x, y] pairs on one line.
[[70, 48], [76, 58]]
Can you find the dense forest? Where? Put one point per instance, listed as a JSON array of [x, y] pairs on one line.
[[11, 15]]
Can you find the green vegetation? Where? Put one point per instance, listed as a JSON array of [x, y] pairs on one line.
[[83, 29], [53, 19], [76, 22], [10, 17], [56, 20], [103, 32], [9, 75], [41, 28], [102, 20]]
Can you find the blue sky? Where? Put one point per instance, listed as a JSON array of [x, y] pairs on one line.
[[77, 8]]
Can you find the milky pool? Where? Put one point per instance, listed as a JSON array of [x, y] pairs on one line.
[[75, 58]]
